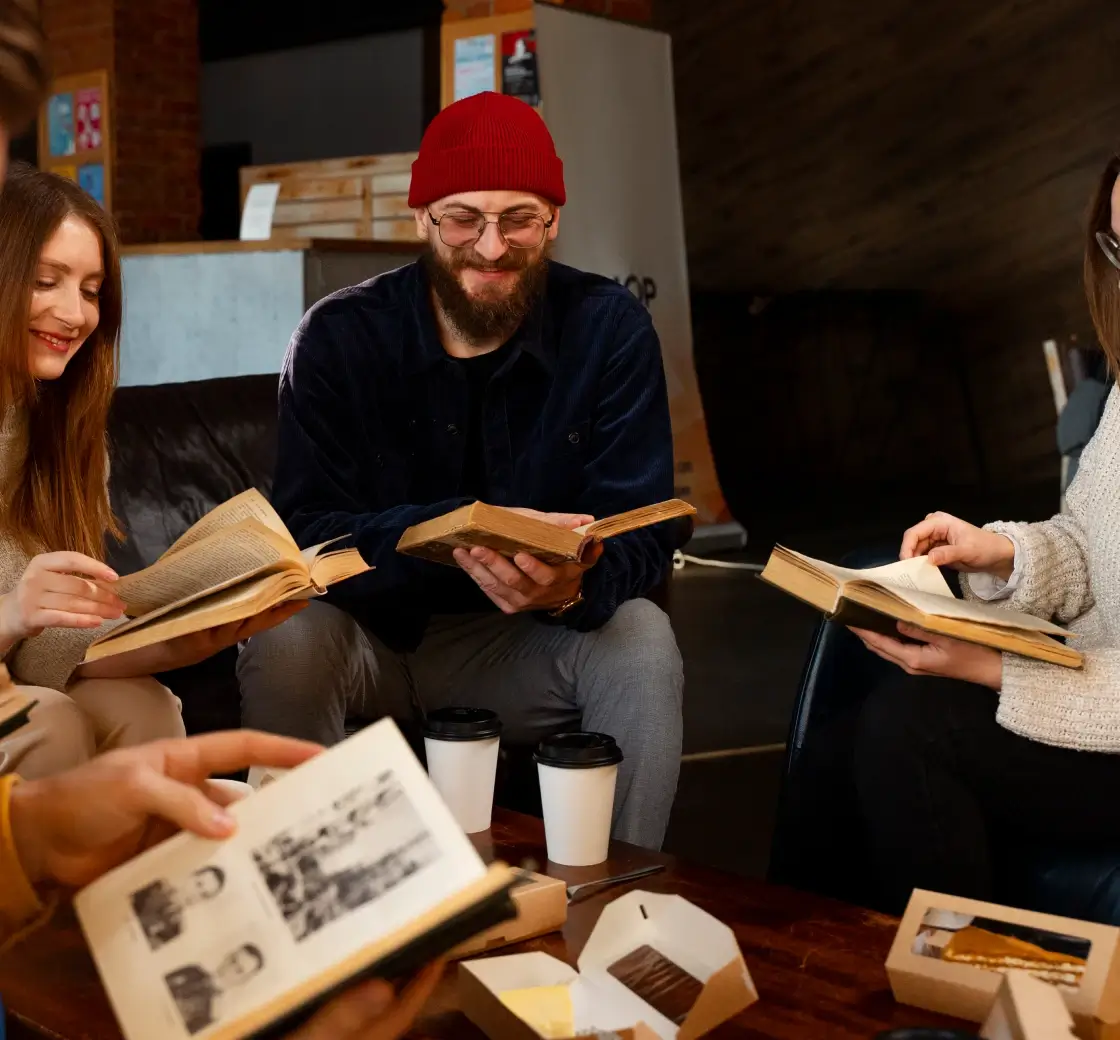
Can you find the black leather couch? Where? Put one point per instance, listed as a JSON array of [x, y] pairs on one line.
[[817, 798], [178, 450]]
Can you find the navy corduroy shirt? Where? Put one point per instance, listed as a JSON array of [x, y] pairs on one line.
[[372, 430]]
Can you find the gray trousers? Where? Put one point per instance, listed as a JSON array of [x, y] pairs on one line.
[[306, 677]]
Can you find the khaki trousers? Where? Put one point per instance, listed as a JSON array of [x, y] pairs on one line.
[[94, 715]]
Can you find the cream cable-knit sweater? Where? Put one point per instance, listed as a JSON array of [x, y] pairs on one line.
[[1070, 572], [48, 659]]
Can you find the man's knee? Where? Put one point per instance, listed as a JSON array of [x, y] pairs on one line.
[[313, 641], [640, 636]]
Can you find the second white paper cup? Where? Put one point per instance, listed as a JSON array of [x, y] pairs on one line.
[[461, 745], [578, 773]]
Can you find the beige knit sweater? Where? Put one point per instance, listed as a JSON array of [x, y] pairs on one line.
[[1070, 572], [50, 658]]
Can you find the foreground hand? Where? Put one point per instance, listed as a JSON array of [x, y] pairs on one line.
[[189, 649], [524, 583], [371, 1011], [937, 655], [950, 542], [58, 590], [74, 826]]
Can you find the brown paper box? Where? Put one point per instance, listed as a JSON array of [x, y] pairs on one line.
[[690, 938], [1027, 1009], [969, 992], [542, 907]]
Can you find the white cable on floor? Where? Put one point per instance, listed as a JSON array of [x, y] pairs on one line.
[[680, 559]]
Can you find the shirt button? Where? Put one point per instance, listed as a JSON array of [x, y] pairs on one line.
[[573, 437], [452, 429]]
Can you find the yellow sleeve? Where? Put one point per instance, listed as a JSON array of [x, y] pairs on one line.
[[21, 910]]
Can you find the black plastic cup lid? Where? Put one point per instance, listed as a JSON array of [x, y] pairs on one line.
[[462, 724], [578, 751]]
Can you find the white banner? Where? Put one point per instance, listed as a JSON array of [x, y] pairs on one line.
[[607, 96]]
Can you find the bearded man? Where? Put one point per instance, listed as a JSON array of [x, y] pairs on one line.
[[483, 372]]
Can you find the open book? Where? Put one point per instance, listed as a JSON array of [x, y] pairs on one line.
[[509, 533], [15, 706], [915, 592], [348, 867], [237, 561]]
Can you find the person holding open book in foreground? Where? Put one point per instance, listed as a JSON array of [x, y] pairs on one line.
[[485, 373], [65, 831], [964, 742], [60, 316]]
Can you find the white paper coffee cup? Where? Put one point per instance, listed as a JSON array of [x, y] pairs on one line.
[[578, 773], [461, 745]]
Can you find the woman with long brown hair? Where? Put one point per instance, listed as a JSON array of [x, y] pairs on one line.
[[60, 319], [966, 749]]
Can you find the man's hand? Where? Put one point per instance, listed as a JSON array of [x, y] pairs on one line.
[[189, 649], [937, 655], [949, 542], [72, 827], [525, 583], [370, 1011]]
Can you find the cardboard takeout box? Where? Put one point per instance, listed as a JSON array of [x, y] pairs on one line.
[[655, 964], [542, 907], [1080, 958]]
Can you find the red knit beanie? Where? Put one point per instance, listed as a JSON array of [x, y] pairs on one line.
[[487, 142]]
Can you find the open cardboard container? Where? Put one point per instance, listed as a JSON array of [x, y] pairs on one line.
[[542, 907], [673, 927], [1027, 1009], [969, 991]]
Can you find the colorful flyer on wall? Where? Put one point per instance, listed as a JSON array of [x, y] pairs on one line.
[[60, 124], [88, 118], [519, 66], [91, 179], [474, 65]]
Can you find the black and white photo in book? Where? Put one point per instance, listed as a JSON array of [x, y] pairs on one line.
[[161, 906], [198, 991], [345, 855]]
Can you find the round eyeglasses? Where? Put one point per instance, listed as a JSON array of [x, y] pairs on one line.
[[519, 230], [1110, 247]]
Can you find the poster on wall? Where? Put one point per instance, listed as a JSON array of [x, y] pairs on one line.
[[91, 179], [474, 65], [519, 66], [88, 119], [60, 124], [610, 107]]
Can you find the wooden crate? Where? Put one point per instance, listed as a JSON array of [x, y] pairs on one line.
[[364, 197]]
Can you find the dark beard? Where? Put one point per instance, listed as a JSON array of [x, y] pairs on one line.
[[479, 320]]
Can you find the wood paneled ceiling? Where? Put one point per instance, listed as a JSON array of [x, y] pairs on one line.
[[947, 146]]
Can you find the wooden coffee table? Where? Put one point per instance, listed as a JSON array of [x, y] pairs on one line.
[[817, 963]]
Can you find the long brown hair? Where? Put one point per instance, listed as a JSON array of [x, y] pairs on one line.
[[1101, 278], [58, 499]]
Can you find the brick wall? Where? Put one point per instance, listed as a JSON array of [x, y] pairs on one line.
[[157, 82], [627, 10], [150, 48]]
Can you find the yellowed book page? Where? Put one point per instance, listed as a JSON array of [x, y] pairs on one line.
[[231, 554], [917, 574], [249, 505], [334, 567], [965, 610], [235, 603], [633, 519], [921, 585]]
